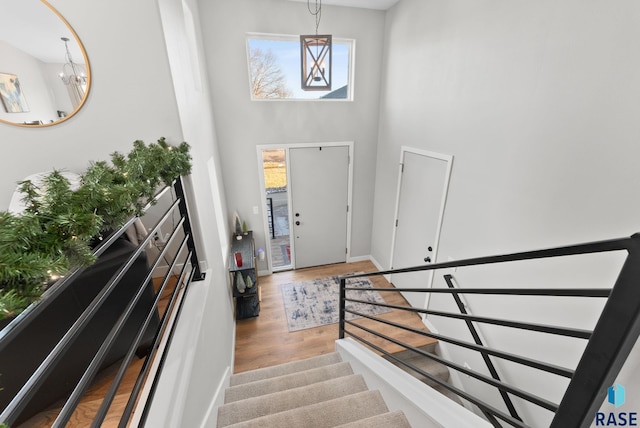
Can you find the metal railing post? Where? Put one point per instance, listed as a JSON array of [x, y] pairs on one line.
[[343, 295], [613, 338], [184, 212]]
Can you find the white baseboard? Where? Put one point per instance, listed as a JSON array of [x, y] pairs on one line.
[[376, 263], [358, 259], [211, 418]]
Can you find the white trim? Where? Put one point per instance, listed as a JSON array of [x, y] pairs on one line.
[[422, 405], [436, 244], [359, 259], [211, 417], [263, 196], [180, 361]]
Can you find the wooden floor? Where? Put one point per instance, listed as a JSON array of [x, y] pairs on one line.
[[93, 397], [266, 341], [260, 342]]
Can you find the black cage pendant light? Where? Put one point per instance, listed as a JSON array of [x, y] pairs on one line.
[[315, 56]]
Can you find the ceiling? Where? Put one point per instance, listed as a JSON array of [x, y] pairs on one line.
[[366, 4], [33, 28]]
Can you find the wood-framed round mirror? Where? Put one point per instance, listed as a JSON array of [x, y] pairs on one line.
[[44, 69]]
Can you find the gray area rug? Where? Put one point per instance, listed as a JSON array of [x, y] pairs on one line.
[[314, 303]]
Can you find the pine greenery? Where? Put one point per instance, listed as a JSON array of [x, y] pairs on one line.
[[53, 236]]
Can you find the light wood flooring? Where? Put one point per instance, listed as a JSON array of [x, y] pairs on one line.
[[266, 341], [260, 342], [93, 397]]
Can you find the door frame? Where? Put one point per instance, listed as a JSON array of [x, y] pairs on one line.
[[445, 191], [263, 196]]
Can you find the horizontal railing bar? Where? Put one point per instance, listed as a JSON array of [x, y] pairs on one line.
[[481, 404], [541, 328], [76, 395], [549, 368], [115, 384], [486, 379], [557, 292], [146, 367], [17, 404], [20, 322], [105, 243], [570, 250], [163, 356]]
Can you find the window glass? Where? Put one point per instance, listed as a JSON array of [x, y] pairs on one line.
[[274, 69]]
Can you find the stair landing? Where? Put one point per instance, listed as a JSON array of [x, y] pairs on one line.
[[265, 341]]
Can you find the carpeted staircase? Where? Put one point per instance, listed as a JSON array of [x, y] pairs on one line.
[[317, 392], [434, 368]]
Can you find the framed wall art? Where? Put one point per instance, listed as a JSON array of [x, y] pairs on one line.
[[11, 93]]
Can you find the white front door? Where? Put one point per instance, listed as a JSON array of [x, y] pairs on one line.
[[424, 179], [319, 178]]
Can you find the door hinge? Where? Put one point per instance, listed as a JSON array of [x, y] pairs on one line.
[[347, 208], [396, 222], [401, 167], [346, 251]]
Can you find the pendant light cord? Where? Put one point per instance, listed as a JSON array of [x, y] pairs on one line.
[[317, 13]]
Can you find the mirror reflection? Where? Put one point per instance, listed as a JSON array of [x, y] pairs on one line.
[[44, 72]]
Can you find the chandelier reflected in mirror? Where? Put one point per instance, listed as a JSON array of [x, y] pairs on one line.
[[73, 76]]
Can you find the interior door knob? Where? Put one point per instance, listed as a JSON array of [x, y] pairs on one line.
[[427, 259], [297, 223], [430, 249]]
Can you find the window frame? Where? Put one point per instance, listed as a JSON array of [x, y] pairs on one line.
[[351, 43]]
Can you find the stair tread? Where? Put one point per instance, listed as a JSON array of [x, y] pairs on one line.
[[286, 368], [263, 405], [395, 419], [450, 395], [288, 381], [327, 414], [432, 367]]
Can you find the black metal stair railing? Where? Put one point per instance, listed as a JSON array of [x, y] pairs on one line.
[[179, 253], [607, 345]]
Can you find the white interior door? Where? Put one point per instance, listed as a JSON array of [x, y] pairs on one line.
[[422, 188], [319, 178]]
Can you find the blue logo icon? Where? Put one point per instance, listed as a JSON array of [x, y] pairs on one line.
[[615, 395]]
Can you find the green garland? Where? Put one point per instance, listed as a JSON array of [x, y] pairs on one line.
[[52, 237]]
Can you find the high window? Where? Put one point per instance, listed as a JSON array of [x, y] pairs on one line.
[[274, 69]]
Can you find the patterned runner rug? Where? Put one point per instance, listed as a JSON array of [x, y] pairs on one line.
[[314, 303]]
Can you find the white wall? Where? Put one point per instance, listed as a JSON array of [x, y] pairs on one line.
[[186, 396], [537, 102], [131, 96], [144, 88], [243, 124], [31, 73]]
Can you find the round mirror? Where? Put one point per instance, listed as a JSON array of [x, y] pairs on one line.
[[44, 71]]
